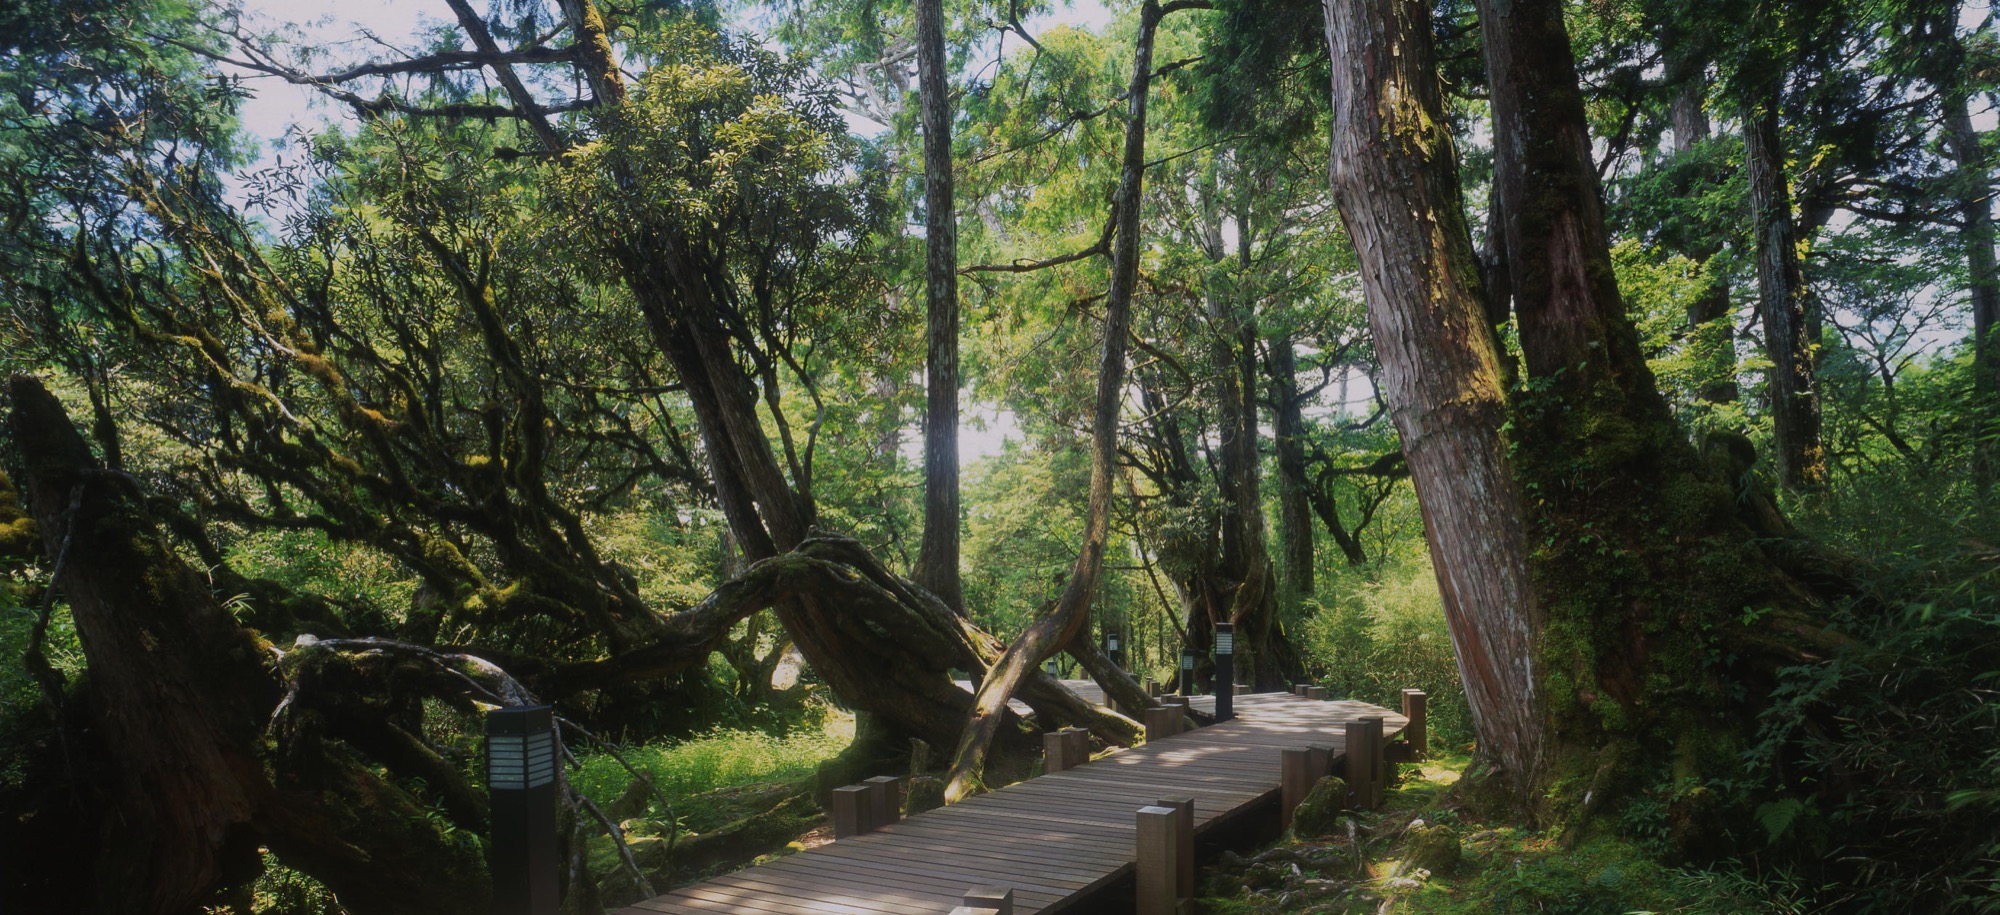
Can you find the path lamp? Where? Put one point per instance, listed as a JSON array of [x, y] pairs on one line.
[[1111, 648], [1225, 671], [1187, 671], [521, 787]]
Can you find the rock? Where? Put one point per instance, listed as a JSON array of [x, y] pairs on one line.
[[1319, 813], [1433, 848], [925, 792]]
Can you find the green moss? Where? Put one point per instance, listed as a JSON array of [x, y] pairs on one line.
[[1319, 814]]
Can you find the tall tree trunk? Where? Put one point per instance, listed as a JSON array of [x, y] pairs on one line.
[[1785, 303], [1057, 628], [1711, 330], [1976, 234], [1396, 180], [937, 561], [1295, 518]]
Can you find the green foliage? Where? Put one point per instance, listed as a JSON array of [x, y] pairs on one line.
[[1376, 631], [687, 769]]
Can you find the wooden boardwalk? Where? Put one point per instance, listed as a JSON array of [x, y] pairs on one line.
[[1053, 839]]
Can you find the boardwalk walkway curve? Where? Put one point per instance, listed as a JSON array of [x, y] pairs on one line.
[[1053, 839]]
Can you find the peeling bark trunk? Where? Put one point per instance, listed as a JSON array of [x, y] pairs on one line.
[[1395, 178]]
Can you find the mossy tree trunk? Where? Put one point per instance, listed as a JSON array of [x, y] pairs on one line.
[[179, 697], [1592, 564]]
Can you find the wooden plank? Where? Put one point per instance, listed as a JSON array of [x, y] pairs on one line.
[[1053, 839]]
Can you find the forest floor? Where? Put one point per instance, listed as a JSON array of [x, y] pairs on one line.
[[1426, 852]]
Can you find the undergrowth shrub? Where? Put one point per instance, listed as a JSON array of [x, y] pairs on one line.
[[1374, 631], [1877, 771], [686, 769]]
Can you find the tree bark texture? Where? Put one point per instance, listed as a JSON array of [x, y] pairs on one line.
[[1395, 178], [937, 561], [1785, 304]]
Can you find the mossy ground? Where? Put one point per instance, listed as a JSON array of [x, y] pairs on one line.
[[1366, 866]]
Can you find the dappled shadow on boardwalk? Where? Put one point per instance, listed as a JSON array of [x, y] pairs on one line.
[[1056, 840]]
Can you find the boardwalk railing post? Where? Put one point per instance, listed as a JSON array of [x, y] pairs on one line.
[[851, 813], [1418, 732], [521, 786], [1319, 764], [1184, 857], [1360, 754], [1163, 721], [1158, 860], [1181, 703], [1055, 752], [1299, 689], [885, 800], [1295, 780], [1379, 766], [988, 900], [1316, 693], [1079, 746], [1225, 672]]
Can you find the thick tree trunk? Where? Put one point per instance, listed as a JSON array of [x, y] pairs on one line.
[[180, 697], [1642, 563], [1785, 304], [1056, 629], [937, 561], [1395, 178]]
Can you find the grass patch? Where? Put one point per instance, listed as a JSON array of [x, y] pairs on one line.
[[702, 776]]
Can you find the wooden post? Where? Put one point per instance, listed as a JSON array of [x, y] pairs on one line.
[[1378, 769], [1295, 780], [1180, 703], [885, 800], [1418, 733], [1156, 865], [1162, 722], [1299, 689], [1360, 755], [1152, 687], [1319, 763], [1184, 859], [990, 900], [1079, 746], [1316, 693], [851, 811], [1055, 752]]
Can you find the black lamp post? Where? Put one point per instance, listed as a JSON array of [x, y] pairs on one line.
[[1187, 671], [1225, 671], [1112, 648], [521, 785]]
